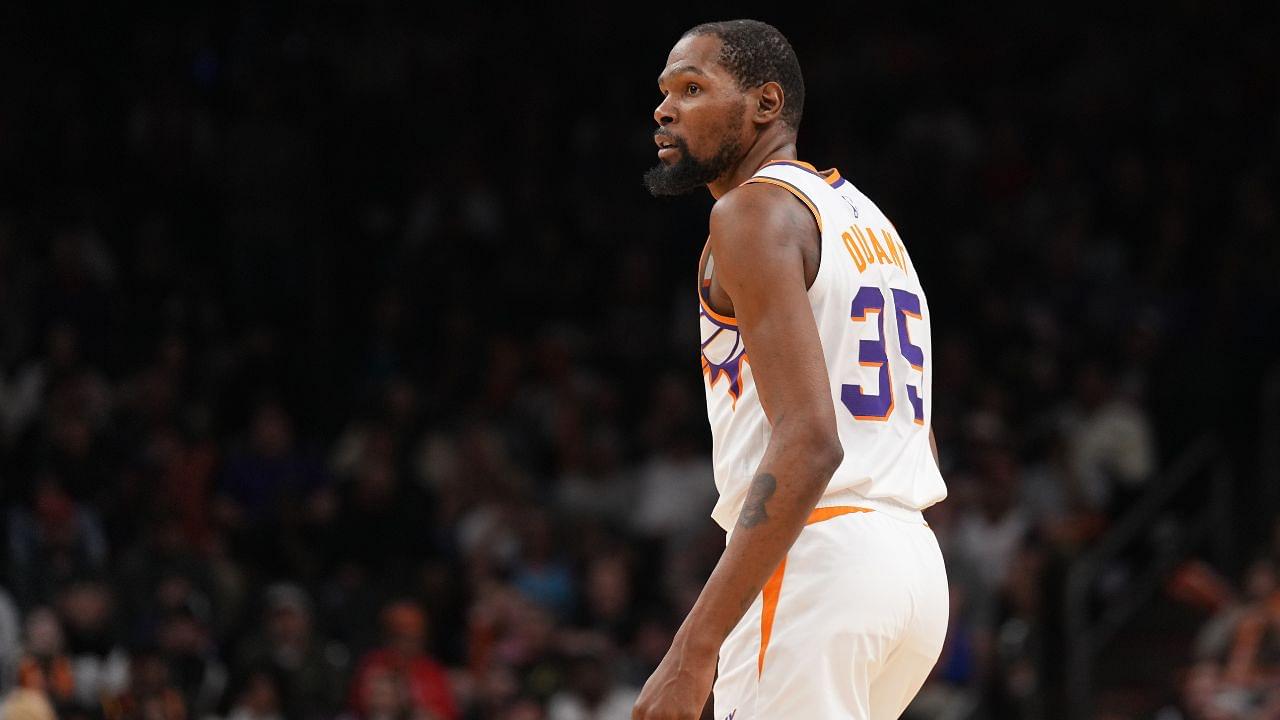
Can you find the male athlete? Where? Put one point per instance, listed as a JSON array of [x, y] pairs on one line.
[[830, 600]]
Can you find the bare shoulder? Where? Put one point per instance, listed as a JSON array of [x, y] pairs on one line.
[[759, 222]]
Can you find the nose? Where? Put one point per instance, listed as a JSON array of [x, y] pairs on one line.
[[663, 114]]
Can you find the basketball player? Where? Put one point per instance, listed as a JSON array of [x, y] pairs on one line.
[[830, 599]]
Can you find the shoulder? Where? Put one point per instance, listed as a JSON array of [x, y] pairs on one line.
[[755, 202], [759, 215]]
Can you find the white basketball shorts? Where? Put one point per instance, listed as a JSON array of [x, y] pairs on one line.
[[849, 626]]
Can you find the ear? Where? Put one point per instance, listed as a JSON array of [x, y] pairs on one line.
[[770, 103]]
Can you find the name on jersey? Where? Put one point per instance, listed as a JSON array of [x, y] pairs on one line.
[[866, 249]]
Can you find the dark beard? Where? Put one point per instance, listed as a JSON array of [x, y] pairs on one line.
[[689, 173]]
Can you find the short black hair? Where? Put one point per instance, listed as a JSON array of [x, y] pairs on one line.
[[756, 52]]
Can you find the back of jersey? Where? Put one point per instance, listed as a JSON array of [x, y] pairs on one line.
[[874, 324]]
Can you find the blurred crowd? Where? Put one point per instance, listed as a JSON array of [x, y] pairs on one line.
[[1233, 669], [346, 369]]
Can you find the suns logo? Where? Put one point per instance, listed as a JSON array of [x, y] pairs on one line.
[[722, 353]]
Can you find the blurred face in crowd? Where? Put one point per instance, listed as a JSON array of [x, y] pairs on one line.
[[182, 635], [608, 587], [261, 695], [406, 628], [148, 673], [44, 634], [87, 607], [386, 696], [1261, 580], [289, 625], [272, 431], [703, 119]]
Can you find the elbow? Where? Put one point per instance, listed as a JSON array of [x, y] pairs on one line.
[[811, 444], [829, 454], [824, 451]]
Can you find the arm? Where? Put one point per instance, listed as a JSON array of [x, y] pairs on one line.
[[758, 235]]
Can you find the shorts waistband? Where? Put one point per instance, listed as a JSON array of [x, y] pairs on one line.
[[893, 508]]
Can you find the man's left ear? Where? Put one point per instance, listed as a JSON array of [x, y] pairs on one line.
[[770, 104]]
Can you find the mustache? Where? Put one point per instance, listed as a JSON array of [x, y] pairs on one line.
[[664, 133]]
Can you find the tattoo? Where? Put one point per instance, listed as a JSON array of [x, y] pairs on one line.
[[753, 509]]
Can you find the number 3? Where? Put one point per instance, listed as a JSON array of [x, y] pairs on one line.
[[872, 353]]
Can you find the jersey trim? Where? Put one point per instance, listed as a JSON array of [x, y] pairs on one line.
[[794, 191], [704, 290], [833, 179]]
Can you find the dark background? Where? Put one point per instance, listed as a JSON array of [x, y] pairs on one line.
[[318, 323]]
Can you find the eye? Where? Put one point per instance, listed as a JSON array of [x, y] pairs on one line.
[[692, 89]]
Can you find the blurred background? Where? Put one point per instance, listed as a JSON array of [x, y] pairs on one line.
[[347, 370]]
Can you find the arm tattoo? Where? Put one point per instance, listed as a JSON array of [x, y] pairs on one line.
[[753, 509]]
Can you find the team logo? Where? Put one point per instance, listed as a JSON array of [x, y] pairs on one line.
[[722, 354]]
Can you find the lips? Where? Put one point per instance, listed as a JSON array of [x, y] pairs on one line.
[[667, 146]]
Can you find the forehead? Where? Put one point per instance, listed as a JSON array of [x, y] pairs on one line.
[[694, 54]]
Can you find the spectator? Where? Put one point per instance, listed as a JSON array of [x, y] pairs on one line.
[[263, 485], [194, 667], [400, 676], [307, 672], [45, 667], [259, 700], [593, 693], [54, 541], [1109, 441], [539, 574], [989, 535], [151, 694], [99, 662]]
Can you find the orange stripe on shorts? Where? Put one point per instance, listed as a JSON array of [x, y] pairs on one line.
[[826, 513], [773, 588]]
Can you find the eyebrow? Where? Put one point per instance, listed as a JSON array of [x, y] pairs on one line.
[[690, 69]]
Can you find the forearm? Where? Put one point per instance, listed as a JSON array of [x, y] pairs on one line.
[[785, 490]]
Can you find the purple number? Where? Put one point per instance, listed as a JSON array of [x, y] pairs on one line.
[[871, 353], [908, 305]]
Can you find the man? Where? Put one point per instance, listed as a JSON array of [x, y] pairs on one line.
[[830, 600]]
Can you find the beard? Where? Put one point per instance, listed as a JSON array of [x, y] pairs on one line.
[[688, 172]]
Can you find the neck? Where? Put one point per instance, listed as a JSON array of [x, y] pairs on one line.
[[767, 148]]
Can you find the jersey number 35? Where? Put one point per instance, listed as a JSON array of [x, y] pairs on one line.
[[871, 353]]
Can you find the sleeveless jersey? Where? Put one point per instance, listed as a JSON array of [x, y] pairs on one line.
[[873, 322]]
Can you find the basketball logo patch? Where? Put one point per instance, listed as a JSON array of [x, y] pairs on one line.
[[722, 353]]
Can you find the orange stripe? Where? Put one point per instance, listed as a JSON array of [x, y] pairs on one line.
[[772, 590], [826, 513], [794, 191]]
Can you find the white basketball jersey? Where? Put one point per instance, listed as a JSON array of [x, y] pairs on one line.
[[873, 321]]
